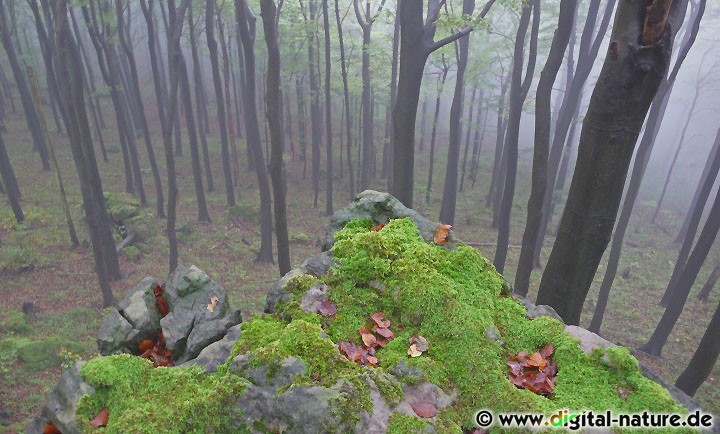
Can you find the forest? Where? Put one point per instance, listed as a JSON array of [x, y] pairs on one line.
[[574, 144]]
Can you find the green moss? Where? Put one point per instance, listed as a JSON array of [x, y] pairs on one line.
[[299, 238], [43, 354], [16, 322], [452, 298], [299, 284], [244, 212], [132, 253], [121, 206], [15, 259], [403, 424], [143, 399]]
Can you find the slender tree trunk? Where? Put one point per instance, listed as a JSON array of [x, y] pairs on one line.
[[90, 81], [499, 140], [477, 144], [314, 103], [433, 134], [423, 121], [10, 182], [387, 143], [228, 100], [710, 284], [328, 114], [519, 87], [449, 197], [467, 134], [704, 359], [620, 101], [542, 143], [246, 24], [275, 120], [346, 102], [219, 97], [302, 130]]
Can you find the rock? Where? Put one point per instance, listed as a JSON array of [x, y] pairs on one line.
[[313, 298], [62, 403], [139, 307], [380, 208], [315, 266], [205, 333], [139, 226], [113, 332], [588, 340], [534, 311], [216, 353], [318, 265]]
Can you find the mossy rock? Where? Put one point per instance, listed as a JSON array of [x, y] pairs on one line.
[[244, 211], [43, 354], [132, 253], [140, 226], [17, 323], [121, 206], [299, 238]]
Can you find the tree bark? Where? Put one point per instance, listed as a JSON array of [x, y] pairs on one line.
[[433, 134], [710, 284], [328, 114], [277, 136], [346, 102], [542, 143], [10, 182], [703, 361], [624, 91], [468, 132]]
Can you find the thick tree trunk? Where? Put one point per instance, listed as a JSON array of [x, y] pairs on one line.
[[542, 144], [519, 87], [618, 107], [703, 361], [275, 121], [90, 76], [449, 197], [220, 99], [246, 23], [709, 284], [71, 88], [423, 122]]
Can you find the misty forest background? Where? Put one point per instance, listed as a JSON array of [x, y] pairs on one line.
[[239, 126]]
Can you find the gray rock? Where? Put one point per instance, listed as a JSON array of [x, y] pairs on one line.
[[205, 333], [318, 265], [277, 292], [139, 307], [588, 340], [113, 332], [313, 298], [534, 311], [308, 409], [62, 403], [380, 208], [216, 353]]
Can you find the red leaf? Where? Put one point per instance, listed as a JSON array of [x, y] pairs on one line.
[[378, 318], [424, 409], [146, 345], [51, 429], [327, 308], [515, 367], [441, 234], [101, 419], [547, 351], [162, 306], [378, 228]]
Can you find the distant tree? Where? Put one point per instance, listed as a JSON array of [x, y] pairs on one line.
[[246, 26], [416, 44], [31, 116], [274, 115], [10, 183], [620, 101], [542, 143], [495, 191], [387, 143], [315, 132], [704, 359], [71, 89], [447, 208], [346, 102], [519, 87], [709, 284], [468, 131], [442, 76], [328, 113]]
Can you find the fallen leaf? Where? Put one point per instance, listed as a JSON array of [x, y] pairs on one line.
[[413, 351], [372, 361], [159, 301], [384, 332], [51, 429], [537, 361], [378, 318], [146, 345], [327, 308], [368, 338], [213, 303], [441, 234], [378, 228], [101, 419], [547, 351], [424, 409], [420, 342]]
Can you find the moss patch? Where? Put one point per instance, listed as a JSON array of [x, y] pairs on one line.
[[16, 322], [141, 399], [43, 354]]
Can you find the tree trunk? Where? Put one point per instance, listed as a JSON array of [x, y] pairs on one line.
[[246, 23], [433, 134], [449, 197], [314, 103], [423, 121], [519, 87], [703, 361], [542, 143], [71, 88], [219, 97], [477, 143], [346, 102], [618, 107], [31, 115], [499, 140], [275, 121], [90, 76], [8, 179], [328, 114], [467, 134], [387, 143], [302, 130], [710, 284]]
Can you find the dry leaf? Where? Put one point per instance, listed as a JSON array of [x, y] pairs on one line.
[[424, 409], [441, 234], [368, 338], [372, 361], [213, 303], [384, 332], [327, 308], [378, 318], [413, 351], [378, 228], [101, 419], [420, 342], [51, 429]]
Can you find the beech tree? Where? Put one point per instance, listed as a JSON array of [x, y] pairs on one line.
[[619, 103]]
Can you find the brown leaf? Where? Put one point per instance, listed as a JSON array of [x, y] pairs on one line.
[[378, 228], [213, 303], [547, 351], [51, 429], [372, 361], [327, 308], [537, 361], [441, 234], [146, 345], [367, 337], [378, 318], [101, 419], [420, 342], [424, 409], [384, 332], [413, 351]]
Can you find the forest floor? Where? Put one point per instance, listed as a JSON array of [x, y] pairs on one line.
[[37, 266]]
